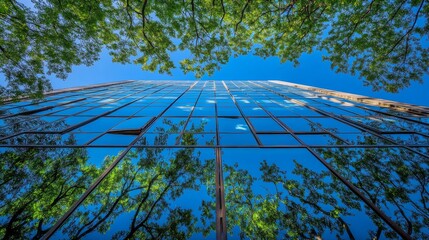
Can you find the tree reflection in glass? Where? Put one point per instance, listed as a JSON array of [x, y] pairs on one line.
[[151, 193], [287, 194], [37, 187], [394, 179]]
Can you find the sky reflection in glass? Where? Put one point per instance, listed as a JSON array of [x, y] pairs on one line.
[[187, 159]]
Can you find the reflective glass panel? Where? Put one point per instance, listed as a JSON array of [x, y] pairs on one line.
[[150, 193], [288, 193], [394, 179], [50, 181]]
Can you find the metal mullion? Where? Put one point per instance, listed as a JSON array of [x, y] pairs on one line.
[[422, 134], [189, 116], [252, 130], [401, 132], [213, 146], [284, 126], [221, 229], [216, 116], [347, 121], [271, 132], [76, 204], [262, 107], [349, 185]]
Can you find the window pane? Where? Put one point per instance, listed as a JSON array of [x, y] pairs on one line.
[[278, 139], [266, 125], [232, 125]]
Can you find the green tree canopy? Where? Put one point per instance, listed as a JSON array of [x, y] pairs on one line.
[[383, 42]]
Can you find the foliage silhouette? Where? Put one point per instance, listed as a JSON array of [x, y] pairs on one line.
[[381, 41]]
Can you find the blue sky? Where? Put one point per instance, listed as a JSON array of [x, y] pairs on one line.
[[311, 71]]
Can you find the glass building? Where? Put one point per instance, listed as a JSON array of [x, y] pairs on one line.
[[213, 159]]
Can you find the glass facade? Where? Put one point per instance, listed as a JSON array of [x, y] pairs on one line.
[[213, 159]]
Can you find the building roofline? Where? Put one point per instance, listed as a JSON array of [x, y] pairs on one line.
[[398, 106]]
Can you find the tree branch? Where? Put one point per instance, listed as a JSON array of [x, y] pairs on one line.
[[242, 14], [144, 22], [223, 11], [407, 33]]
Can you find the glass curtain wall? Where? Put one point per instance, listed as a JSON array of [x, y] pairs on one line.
[[211, 159]]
